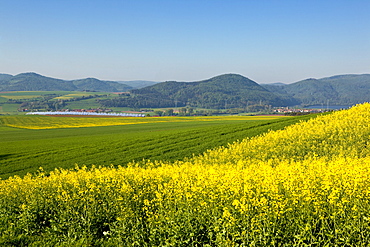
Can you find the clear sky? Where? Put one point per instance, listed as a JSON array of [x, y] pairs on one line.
[[185, 40]]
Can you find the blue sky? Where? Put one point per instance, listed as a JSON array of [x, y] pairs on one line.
[[185, 40]]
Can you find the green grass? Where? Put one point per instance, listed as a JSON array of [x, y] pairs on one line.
[[37, 95], [23, 151], [83, 104], [9, 109]]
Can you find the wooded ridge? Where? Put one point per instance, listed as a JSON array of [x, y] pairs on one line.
[[220, 92]]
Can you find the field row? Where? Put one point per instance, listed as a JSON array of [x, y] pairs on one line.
[[25, 150], [47, 122]]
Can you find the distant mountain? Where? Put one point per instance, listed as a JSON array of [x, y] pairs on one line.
[[5, 77], [338, 90], [36, 82], [138, 83], [351, 89], [224, 91], [93, 84]]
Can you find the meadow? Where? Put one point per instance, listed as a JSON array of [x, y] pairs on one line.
[[10, 102], [304, 185], [30, 142]]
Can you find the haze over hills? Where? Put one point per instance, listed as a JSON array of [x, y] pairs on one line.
[[335, 90], [223, 91]]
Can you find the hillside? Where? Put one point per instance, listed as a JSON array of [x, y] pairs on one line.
[[338, 90], [224, 91], [36, 82], [220, 92], [92, 84], [5, 77]]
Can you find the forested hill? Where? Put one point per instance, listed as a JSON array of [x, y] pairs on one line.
[[36, 82], [4, 77], [224, 91], [335, 90]]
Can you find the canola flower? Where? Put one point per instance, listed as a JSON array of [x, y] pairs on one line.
[[306, 185]]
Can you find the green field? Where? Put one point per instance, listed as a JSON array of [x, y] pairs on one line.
[[83, 104], [25, 150], [72, 99], [9, 108]]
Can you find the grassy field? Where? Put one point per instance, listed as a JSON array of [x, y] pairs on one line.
[[83, 104], [9, 109], [166, 138], [6, 108]]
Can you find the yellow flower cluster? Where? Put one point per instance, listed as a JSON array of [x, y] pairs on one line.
[[308, 184]]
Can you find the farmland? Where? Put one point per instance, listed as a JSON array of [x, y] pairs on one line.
[[13, 102], [41, 122], [50, 142], [305, 185]]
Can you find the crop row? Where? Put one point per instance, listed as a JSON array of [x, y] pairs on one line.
[[305, 185], [25, 151], [41, 122]]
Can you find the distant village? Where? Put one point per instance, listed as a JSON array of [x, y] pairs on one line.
[[287, 110], [143, 113]]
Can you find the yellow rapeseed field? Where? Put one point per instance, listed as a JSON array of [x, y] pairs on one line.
[[47, 122], [17, 97], [73, 95], [306, 185]]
